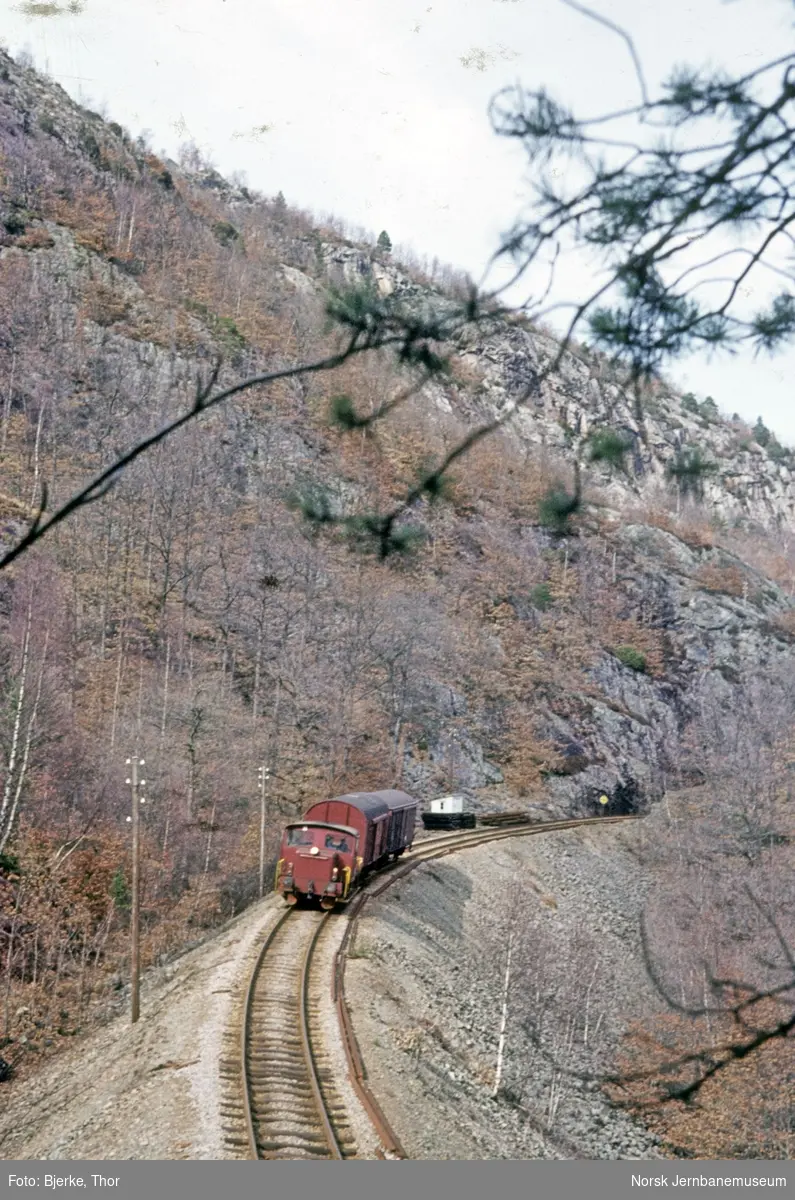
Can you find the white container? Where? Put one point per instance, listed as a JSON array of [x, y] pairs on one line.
[[448, 804]]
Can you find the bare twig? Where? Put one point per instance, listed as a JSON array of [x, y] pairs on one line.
[[622, 33]]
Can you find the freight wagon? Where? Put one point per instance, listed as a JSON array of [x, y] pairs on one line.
[[337, 842]]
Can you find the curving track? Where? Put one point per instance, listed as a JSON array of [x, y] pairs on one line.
[[287, 1105], [437, 845], [283, 1102]]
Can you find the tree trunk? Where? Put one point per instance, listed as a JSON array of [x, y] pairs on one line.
[[26, 752], [117, 689], [7, 405], [5, 819]]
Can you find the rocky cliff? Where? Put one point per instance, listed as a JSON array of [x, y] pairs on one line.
[[579, 664]]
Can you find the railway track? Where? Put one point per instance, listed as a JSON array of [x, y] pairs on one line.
[[282, 1099], [287, 1104], [437, 846]]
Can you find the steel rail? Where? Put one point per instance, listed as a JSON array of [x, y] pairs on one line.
[[356, 1068], [244, 1037], [248, 1039], [306, 1041], [435, 847]]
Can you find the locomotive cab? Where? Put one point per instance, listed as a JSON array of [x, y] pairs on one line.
[[317, 861]]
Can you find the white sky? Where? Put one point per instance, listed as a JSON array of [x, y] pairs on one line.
[[373, 115]]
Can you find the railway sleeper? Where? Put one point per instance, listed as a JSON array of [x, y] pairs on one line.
[[278, 1139], [288, 1073], [290, 1153], [308, 1129], [266, 1054], [282, 1101]]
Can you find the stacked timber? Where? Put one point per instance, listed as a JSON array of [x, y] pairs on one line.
[[498, 820]]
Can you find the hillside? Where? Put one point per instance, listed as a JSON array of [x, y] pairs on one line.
[[193, 616]]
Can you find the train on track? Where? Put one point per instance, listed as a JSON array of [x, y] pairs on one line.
[[337, 842]]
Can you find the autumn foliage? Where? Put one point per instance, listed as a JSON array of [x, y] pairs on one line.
[[191, 616]]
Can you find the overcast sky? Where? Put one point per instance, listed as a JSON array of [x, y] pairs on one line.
[[377, 110]]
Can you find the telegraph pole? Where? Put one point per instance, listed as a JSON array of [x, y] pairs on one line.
[[264, 775], [135, 911]]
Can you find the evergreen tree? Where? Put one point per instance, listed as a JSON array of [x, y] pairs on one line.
[[384, 242], [761, 432]]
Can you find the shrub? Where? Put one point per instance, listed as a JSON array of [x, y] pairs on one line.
[[225, 232], [571, 764], [35, 239], [630, 657], [90, 145], [729, 580], [609, 446], [689, 469], [224, 328], [15, 223], [229, 333], [778, 452], [120, 893], [556, 508], [9, 863], [541, 597], [104, 305]]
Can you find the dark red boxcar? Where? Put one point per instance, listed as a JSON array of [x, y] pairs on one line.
[[385, 821], [316, 862], [404, 818]]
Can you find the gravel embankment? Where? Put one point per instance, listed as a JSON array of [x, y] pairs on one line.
[[144, 1091], [425, 986]]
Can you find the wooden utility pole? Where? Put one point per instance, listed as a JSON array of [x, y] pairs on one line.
[[135, 910], [264, 774]]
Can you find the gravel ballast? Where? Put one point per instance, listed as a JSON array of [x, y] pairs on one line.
[[425, 985]]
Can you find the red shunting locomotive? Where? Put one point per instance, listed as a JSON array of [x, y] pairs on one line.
[[325, 854]]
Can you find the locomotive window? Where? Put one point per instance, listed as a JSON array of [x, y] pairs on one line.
[[299, 837], [340, 844]]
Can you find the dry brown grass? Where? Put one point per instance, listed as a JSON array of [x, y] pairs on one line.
[[729, 580], [694, 530], [38, 238], [643, 638]]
